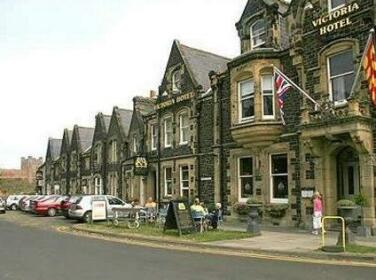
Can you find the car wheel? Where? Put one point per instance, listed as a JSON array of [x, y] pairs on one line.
[[13, 207], [87, 217], [51, 212]]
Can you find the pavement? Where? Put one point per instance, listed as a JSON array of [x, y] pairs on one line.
[[35, 253]]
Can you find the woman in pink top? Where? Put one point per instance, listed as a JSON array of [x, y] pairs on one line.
[[317, 213]]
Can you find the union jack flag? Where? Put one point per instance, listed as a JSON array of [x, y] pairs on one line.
[[282, 86]]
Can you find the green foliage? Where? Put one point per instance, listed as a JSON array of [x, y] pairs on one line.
[[345, 203], [12, 186], [277, 211], [241, 208], [361, 200], [253, 200]]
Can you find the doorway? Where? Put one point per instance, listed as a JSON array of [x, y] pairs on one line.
[[348, 176]]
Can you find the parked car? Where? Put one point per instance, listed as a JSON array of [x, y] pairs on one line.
[[66, 204], [2, 206], [12, 201], [50, 206], [81, 210], [25, 202], [39, 198]]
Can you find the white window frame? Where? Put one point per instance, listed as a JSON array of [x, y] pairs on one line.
[[166, 194], [241, 99], [330, 85], [267, 117], [174, 81], [331, 9], [182, 188], [167, 145], [98, 185], [154, 137], [271, 175], [240, 198], [252, 36], [135, 144], [113, 151], [181, 128]]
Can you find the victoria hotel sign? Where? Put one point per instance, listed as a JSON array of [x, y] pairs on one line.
[[336, 19]]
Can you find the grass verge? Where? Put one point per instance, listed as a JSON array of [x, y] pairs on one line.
[[147, 230], [358, 249]]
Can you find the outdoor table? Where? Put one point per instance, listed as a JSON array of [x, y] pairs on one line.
[[130, 215]]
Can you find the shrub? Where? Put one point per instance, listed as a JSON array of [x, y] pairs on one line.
[[253, 200], [345, 203], [277, 210], [361, 200], [241, 208]]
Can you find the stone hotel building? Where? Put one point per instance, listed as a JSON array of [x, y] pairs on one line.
[[214, 129]]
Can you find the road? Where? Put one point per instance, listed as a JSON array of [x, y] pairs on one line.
[[28, 252]]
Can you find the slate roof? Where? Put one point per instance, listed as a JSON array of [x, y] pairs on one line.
[[70, 134], [85, 135], [54, 146], [201, 63], [253, 6], [107, 120], [145, 105], [125, 119]]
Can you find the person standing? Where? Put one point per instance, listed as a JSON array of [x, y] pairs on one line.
[[317, 213]]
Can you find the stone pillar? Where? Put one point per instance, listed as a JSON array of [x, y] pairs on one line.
[[330, 184], [367, 189]]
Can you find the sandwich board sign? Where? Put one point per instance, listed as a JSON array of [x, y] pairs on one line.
[[99, 208], [179, 217]]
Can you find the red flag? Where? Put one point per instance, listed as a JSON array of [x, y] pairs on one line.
[[369, 65]]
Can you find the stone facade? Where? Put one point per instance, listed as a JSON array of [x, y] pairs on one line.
[[215, 129]]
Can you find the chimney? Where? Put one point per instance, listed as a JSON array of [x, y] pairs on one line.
[[153, 94]]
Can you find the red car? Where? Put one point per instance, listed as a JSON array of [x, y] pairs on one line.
[[66, 203], [48, 207]]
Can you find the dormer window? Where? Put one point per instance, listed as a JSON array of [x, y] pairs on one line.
[[258, 34], [336, 4], [176, 79]]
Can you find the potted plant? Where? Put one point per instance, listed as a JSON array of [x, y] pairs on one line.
[[362, 202], [346, 209], [242, 210], [276, 212]]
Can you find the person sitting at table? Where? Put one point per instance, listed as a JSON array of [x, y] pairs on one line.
[[150, 203], [197, 210]]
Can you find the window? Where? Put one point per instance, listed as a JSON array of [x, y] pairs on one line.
[[247, 99], [184, 128], [168, 132], [168, 181], [341, 75], [258, 34], [279, 178], [113, 151], [335, 4], [98, 186], [184, 181], [135, 148], [176, 79], [245, 178], [98, 154], [154, 137], [267, 96]]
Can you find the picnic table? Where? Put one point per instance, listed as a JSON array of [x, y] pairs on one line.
[[129, 215]]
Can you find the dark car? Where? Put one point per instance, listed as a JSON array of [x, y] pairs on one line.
[[66, 203]]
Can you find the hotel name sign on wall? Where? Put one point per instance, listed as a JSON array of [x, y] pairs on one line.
[[336, 19], [174, 100]]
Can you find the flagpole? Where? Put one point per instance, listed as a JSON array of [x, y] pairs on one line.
[[296, 86], [370, 37]]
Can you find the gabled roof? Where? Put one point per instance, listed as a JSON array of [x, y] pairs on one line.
[[200, 63], [67, 141], [107, 121], [54, 148], [125, 119], [85, 137]]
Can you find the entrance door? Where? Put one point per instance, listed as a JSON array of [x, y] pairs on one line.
[[350, 180]]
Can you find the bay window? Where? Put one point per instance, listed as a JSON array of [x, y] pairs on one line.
[[245, 178], [247, 100], [267, 89], [341, 75], [279, 178]]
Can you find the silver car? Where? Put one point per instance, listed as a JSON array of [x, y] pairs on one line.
[[82, 209], [2, 206]]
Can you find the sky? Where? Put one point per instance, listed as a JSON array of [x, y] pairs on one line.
[[64, 61]]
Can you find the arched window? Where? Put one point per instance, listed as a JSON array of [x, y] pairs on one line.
[[336, 4], [176, 79], [258, 34]]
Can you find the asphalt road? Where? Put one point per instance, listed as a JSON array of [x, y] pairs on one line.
[[29, 253]]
